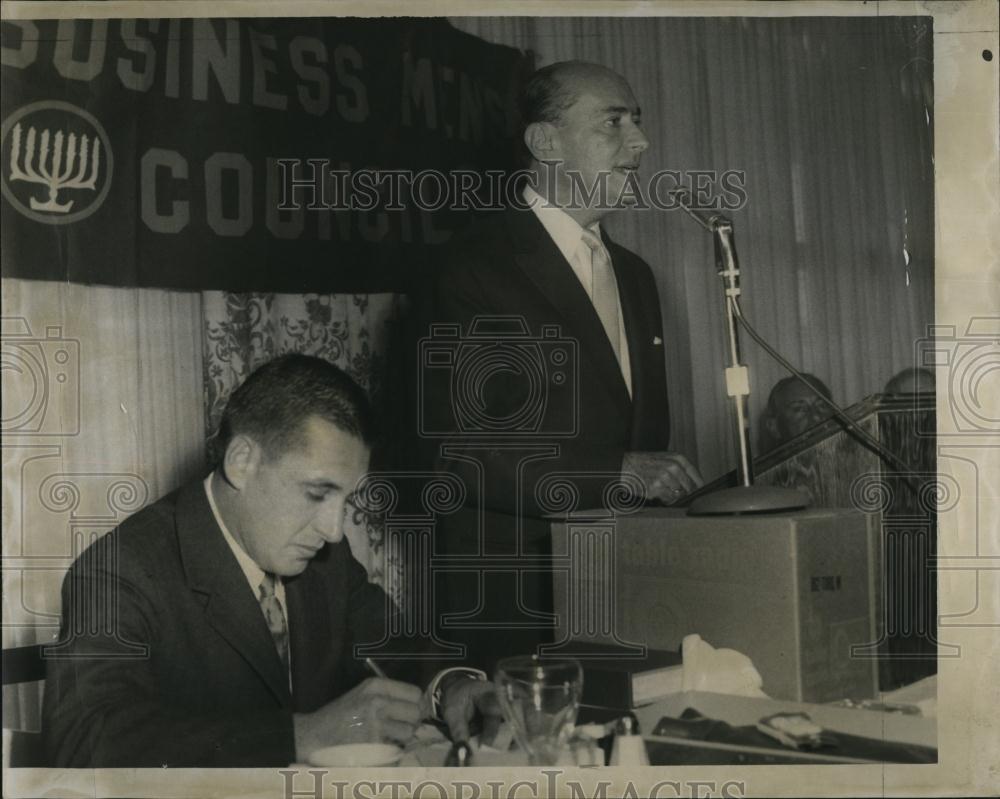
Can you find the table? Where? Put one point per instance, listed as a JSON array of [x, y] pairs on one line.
[[432, 748]]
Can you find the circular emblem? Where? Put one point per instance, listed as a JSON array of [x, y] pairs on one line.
[[56, 162]]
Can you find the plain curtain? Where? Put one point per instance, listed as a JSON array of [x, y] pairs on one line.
[[830, 120], [102, 413]]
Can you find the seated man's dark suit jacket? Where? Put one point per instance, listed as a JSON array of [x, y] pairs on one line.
[[210, 689], [507, 264]]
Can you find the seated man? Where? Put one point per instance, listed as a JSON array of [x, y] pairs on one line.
[[217, 626], [792, 409]]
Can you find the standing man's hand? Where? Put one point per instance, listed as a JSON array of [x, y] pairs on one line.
[[668, 476], [374, 711]]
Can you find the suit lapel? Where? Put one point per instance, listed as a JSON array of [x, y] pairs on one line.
[[637, 331], [650, 413], [543, 263], [230, 605], [310, 626]]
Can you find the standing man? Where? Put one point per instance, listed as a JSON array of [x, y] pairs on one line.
[[587, 311], [217, 626]]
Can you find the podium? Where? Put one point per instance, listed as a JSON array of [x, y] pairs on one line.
[[837, 471], [794, 592]]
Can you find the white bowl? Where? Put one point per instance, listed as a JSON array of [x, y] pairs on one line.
[[356, 755]]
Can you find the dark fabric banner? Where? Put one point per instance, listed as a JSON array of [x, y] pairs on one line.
[[246, 154]]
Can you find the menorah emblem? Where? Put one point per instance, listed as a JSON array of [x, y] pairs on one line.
[[56, 172], [51, 149]]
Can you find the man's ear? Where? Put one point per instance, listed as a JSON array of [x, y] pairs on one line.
[[539, 138], [240, 461]]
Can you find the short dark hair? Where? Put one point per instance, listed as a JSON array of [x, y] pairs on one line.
[[815, 382], [914, 374], [545, 96], [275, 401]]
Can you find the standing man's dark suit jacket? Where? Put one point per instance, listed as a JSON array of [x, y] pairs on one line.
[[507, 264], [210, 690]]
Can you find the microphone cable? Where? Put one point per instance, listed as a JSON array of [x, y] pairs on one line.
[[906, 471]]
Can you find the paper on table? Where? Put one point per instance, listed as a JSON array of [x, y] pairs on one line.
[[922, 694]]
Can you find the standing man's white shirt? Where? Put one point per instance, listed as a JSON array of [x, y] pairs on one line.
[[567, 234]]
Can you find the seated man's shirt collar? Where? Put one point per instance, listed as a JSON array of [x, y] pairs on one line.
[[253, 572]]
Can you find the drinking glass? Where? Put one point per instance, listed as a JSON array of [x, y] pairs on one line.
[[540, 697]]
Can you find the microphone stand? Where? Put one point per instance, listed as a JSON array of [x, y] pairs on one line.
[[746, 497]]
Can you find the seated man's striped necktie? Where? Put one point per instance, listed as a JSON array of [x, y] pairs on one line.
[[275, 617]]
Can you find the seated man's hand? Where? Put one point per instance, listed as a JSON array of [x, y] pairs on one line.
[[668, 476], [463, 699], [374, 711]]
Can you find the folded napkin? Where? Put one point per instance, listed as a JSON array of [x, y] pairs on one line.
[[719, 671]]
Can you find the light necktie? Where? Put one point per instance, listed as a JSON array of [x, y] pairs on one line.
[[275, 617], [605, 297]]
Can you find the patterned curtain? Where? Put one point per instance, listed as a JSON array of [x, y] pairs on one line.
[[108, 397], [353, 331]]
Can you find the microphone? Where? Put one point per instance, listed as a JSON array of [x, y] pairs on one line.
[[708, 220], [746, 497]]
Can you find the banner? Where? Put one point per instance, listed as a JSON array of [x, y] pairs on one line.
[[245, 154]]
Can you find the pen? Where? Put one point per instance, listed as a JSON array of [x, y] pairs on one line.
[[374, 668]]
